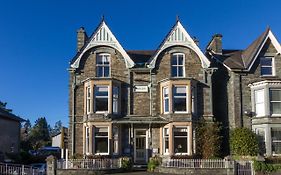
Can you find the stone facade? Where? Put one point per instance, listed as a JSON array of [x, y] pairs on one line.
[[235, 88], [134, 120]]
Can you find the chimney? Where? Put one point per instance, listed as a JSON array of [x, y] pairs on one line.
[[81, 38], [216, 44]]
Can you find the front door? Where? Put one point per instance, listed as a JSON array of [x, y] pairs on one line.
[[140, 146]]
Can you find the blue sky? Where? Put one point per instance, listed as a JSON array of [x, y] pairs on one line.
[[38, 39]]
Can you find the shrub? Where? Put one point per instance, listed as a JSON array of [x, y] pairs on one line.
[[126, 163], [153, 163], [243, 142], [266, 167], [76, 156], [208, 139]]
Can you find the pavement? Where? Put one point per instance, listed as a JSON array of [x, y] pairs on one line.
[[140, 173]]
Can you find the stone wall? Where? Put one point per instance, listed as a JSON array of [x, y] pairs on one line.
[[205, 171], [9, 135]]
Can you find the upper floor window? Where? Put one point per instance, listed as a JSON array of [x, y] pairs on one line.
[[275, 101], [259, 102], [101, 98], [115, 100], [103, 65], [166, 99], [179, 99], [177, 65], [88, 99], [266, 66]]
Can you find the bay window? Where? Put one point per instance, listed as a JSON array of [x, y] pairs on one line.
[[88, 99], [276, 140], [101, 140], [103, 65], [177, 65], [180, 140], [259, 102], [115, 99], [179, 99], [115, 134], [101, 98], [166, 99], [87, 134], [166, 140], [275, 101]]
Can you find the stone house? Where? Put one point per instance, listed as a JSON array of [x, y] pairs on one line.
[[247, 88], [138, 103], [10, 125]]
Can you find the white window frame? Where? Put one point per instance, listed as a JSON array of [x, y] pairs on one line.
[[87, 140], [95, 97], [259, 103], [265, 66], [115, 100], [178, 66], [115, 138], [166, 149], [166, 98], [186, 98], [187, 136], [271, 101], [88, 99], [102, 65], [275, 141], [94, 140]]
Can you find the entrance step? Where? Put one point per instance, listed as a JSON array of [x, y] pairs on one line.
[[139, 167]]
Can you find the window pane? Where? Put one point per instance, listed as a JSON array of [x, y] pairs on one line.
[[179, 91], [99, 71], [266, 61], [266, 70], [180, 59], [275, 95], [99, 59], [259, 96], [276, 140], [106, 71], [174, 60], [174, 71], [101, 91], [101, 145], [166, 107], [275, 108], [180, 71], [101, 104], [179, 104], [180, 145]]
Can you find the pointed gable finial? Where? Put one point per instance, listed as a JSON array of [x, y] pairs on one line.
[[177, 18], [102, 18]]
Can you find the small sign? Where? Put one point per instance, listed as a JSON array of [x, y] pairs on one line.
[[141, 88]]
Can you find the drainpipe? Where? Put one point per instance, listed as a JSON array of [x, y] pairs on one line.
[[129, 92], [150, 93], [73, 115]]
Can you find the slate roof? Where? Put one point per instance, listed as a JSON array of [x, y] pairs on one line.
[[140, 56], [8, 115], [242, 59]]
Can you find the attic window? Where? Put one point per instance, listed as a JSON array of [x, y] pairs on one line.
[[177, 65], [103, 65], [266, 66]]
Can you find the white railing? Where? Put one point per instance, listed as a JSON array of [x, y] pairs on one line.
[[96, 164], [15, 169], [197, 163]]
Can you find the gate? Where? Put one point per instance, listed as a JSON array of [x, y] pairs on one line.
[[244, 168]]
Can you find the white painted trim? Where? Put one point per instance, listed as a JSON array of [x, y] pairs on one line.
[[146, 142], [94, 140], [184, 40], [273, 41], [110, 41]]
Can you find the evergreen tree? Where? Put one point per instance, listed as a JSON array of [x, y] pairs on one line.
[[39, 134]]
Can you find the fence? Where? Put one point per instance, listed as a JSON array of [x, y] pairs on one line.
[[94, 164], [197, 163], [15, 169]]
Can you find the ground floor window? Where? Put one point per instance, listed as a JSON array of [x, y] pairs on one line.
[[115, 140], [166, 140], [276, 140], [180, 140], [101, 140], [261, 139]]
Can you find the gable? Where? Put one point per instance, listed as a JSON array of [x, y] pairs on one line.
[[179, 37], [102, 37], [251, 54]]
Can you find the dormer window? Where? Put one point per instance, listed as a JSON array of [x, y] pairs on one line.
[[267, 66], [103, 65], [177, 65]]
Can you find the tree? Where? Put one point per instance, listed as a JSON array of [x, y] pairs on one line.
[[57, 128], [3, 106], [39, 134], [208, 139], [243, 142]]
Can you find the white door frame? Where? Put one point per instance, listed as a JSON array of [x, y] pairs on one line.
[[146, 142]]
